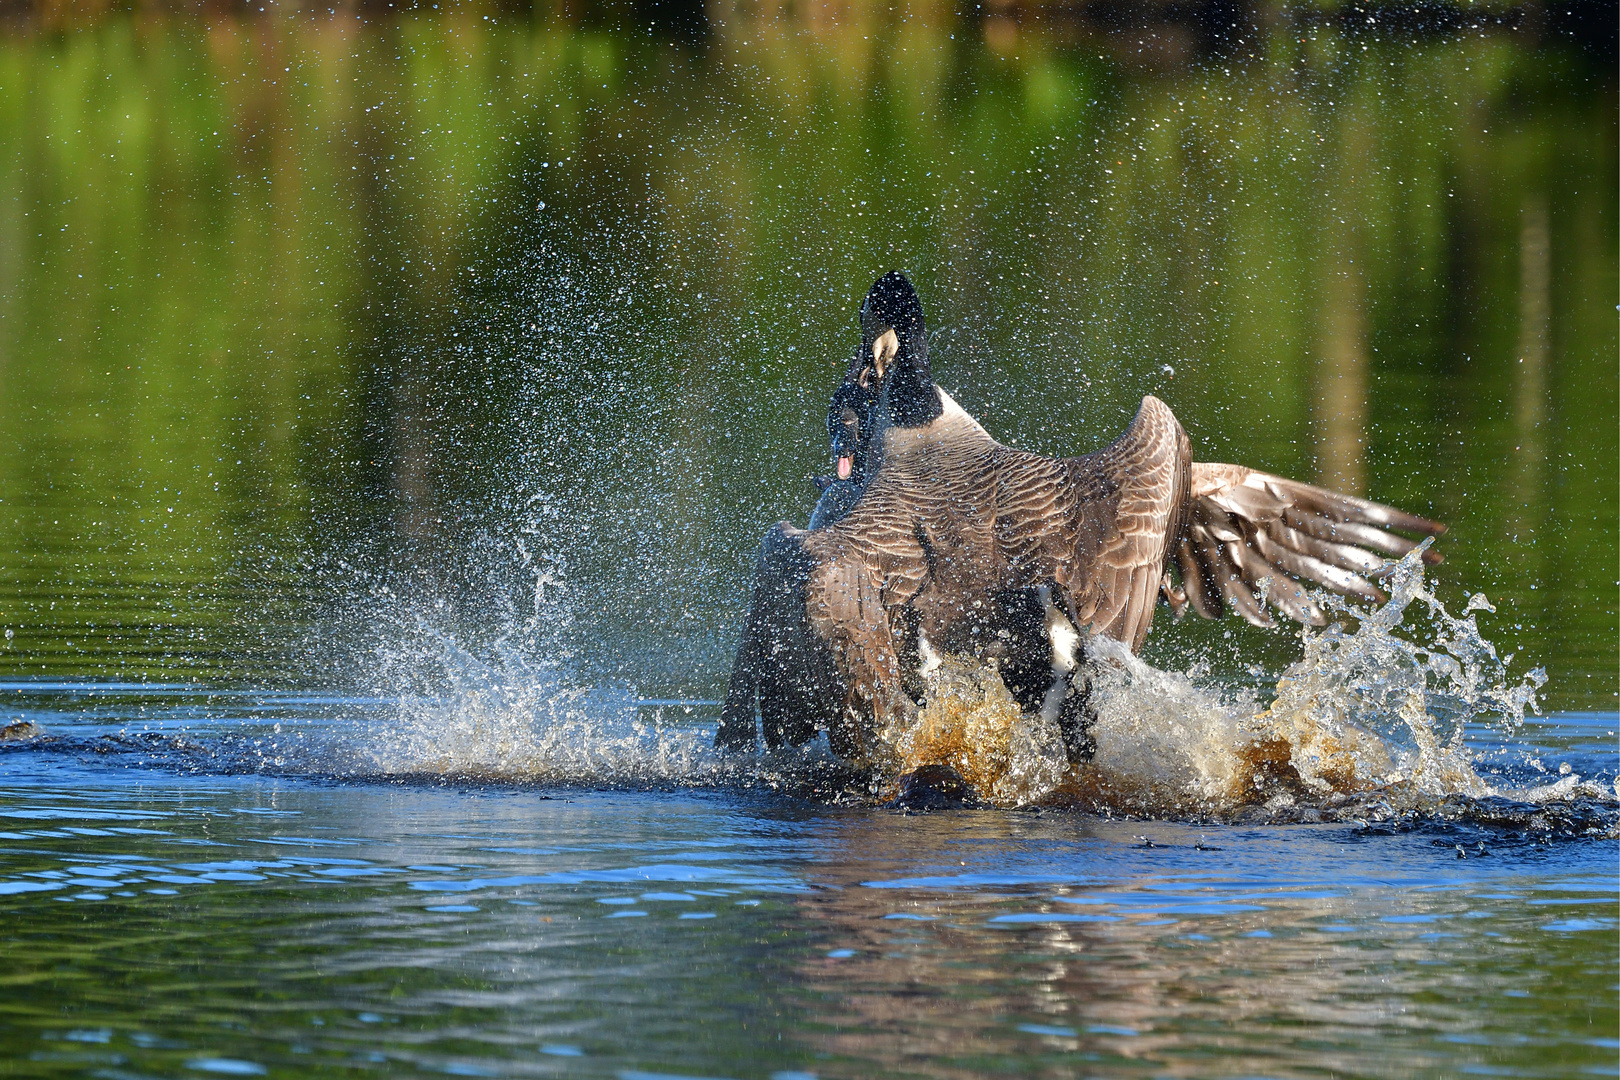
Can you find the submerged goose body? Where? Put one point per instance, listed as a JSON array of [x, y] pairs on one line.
[[956, 539]]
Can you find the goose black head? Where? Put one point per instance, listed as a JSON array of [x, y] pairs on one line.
[[894, 352], [851, 420], [849, 416]]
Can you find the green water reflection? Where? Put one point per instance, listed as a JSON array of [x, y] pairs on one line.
[[293, 310]]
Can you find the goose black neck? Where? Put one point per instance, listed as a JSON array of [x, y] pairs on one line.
[[910, 395]]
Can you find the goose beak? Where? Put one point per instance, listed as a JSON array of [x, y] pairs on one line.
[[883, 350], [845, 466]]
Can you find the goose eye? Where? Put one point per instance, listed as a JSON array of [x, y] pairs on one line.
[[848, 417]]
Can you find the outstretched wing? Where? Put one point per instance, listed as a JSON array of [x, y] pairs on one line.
[[1244, 527], [1116, 584], [848, 611]]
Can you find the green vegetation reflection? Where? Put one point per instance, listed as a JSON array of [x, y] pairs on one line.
[[292, 310]]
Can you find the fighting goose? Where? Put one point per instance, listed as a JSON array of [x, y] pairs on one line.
[[848, 420], [950, 523]]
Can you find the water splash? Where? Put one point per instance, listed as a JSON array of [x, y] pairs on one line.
[[518, 709], [1165, 744], [1369, 725], [972, 724], [1369, 707], [1378, 706], [509, 715]]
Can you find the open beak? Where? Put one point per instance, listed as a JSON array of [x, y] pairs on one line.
[[845, 466], [883, 350]]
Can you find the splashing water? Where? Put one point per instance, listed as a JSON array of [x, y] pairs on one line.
[[517, 712], [1372, 708], [972, 724], [515, 718], [1364, 710], [1375, 714]]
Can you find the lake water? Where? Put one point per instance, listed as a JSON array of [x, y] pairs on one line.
[[389, 412]]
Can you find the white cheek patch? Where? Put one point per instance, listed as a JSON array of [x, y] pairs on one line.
[[884, 350], [930, 658], [1065, 642]]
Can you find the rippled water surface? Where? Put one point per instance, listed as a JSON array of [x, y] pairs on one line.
[[390, 408], [174, 906]]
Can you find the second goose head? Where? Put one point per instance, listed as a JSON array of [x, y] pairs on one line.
[[849, 429], [894, 352], [849, 417]]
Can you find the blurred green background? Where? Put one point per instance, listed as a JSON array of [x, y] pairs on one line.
[[325, 331]]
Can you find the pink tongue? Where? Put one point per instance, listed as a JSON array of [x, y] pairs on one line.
[[844, 466]]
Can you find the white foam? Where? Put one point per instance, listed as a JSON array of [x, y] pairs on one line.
[[1376, 703], [1381, 705], [972, 724], [511, 716]]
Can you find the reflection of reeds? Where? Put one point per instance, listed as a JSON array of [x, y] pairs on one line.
[[1343, 370], [1527, 475], [1343, 378]]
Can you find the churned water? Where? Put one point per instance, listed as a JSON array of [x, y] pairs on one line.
[[390, 408], [169, 915], [1380, 711]]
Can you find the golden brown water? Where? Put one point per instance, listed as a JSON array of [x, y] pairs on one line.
[[1168, 746]]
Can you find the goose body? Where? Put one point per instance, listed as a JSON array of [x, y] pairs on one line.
[[957, 541]]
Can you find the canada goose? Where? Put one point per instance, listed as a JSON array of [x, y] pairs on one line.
[[950, 522], [1034, 647], [847, 414]]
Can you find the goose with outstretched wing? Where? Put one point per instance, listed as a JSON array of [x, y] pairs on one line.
[[956, 539]]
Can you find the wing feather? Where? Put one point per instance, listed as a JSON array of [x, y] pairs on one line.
[[1243, 601], [1198, 579], [1114, 580], [1302, 565], [1246, 527], [1347, 533]]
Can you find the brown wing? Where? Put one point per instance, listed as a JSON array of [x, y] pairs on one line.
[[781, 663], [846, 610], [817, 651], [1244, 527], [1099, 526], [1116, 586]]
